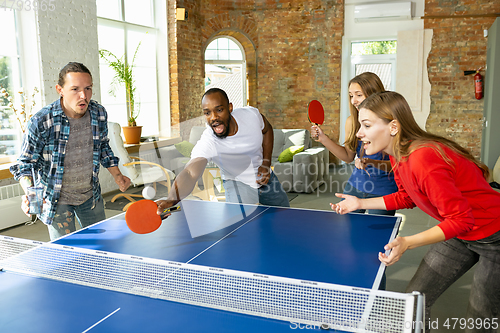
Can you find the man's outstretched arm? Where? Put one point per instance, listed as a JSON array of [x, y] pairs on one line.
[[184, 183]]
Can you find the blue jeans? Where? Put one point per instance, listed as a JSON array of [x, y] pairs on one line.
[[271, 194], [447, 261], [351, 190], [64, 220]]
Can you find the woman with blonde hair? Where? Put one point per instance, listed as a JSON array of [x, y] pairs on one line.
[[371, 176], [448, 183]]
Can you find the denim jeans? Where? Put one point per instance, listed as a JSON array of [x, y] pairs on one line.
[[351, 190], [447, 261], [64, 220], [271, 194]]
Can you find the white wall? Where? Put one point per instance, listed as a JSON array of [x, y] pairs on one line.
[[377, 29], [69, 33], [365, 31]]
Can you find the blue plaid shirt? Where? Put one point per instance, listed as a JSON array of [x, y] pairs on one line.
[[43, 150]]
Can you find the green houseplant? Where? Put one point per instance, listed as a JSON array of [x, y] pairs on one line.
[[124, 76]]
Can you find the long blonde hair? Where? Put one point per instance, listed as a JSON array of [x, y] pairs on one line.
[[391, 106], [370, 84]]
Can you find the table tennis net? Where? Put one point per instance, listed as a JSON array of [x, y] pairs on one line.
[[295, 301], [10, 246]]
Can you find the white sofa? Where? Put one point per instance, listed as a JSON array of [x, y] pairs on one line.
[[308, 169]]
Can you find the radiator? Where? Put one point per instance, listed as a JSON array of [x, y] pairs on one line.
[[10, 206]]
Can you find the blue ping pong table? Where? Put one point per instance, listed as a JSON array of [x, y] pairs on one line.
[[302, 244]]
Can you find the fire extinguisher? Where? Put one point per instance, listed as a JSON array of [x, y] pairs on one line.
[[478, 84]]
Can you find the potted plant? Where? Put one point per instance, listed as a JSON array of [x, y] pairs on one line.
[[124, 75]]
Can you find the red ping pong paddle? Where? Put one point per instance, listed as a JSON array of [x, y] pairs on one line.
[[316, 113], [141, 216]]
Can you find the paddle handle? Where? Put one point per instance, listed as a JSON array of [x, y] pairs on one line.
[[170, 210], [317, 136]]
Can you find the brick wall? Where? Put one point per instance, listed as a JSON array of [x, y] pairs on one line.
[[299, 59], [458, 45], [186, 65], [293, 51]]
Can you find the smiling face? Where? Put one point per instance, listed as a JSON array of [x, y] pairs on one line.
[[376, 133], [356, 94], [217, 111], [75, 94]]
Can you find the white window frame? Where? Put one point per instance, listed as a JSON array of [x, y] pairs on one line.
[[19, 70], [349, 62], [159, 27], [376, 59], [242, 63]]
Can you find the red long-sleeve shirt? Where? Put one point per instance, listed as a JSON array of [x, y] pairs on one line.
[[457, 195]]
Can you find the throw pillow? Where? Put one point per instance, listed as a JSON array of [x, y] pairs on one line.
[[287, 154], [185, 148]]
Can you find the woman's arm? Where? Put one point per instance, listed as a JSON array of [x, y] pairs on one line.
[[184, 183], [352, 203], [401, 244], [344, 153]]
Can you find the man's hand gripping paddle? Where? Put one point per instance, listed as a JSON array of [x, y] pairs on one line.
[[141, 216]]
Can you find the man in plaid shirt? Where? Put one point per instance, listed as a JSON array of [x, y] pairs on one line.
[[64, 144]]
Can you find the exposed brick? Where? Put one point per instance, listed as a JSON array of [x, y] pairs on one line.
[[458, 45], [293, 51], [286, 67]]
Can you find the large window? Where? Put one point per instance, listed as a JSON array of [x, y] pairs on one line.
[[225, 68], [10, 80], [378, 57], [122, 25]]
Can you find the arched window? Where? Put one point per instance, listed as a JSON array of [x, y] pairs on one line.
[[225, 68]]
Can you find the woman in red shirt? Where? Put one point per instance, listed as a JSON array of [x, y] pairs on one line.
[[448, 183]]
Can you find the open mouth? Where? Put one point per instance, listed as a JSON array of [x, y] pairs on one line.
[[218, 127], [82, 104], [366, 144]]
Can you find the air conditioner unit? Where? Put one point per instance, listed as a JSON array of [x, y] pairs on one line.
[[383, 11]]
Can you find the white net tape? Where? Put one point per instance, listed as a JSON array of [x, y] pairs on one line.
[[10, 246], [305, 302]]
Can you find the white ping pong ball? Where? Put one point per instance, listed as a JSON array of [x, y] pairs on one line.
[[148, 192]]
